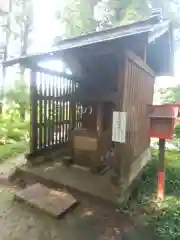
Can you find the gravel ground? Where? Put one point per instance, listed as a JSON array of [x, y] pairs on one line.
[[89, 221]]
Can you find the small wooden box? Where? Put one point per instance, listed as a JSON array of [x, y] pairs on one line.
[[162, 120], [89, 148], [85, 143]]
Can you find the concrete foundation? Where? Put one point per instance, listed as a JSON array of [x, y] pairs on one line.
[[80, 179]]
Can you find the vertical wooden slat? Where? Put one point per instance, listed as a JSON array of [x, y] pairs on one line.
[[53, 110], [137, 139], [65, 114], [134, 107], [51, 116], [45, 111], [119, 149], [57, 113], [67, 108], [78, 109], [136, 94], [49, 111], [73, 108], [61, 111], [38, 114], [99, 119], [33, 100], [40, 111], [63, 104], [67, 111]]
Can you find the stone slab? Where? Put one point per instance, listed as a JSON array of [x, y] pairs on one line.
[[51, 201]]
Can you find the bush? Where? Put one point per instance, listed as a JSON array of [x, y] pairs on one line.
[[12, 129], [162, 217], [12, 150], [177, 135]]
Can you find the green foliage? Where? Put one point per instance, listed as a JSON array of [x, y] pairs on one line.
[[11, 150], [14, 134], [177, 135], [177, 131], [129, 11], [131, 15], [163, 217], [12, 127], [76, 17], [170, 95], [18, 97], [166, 219], [83, 16]]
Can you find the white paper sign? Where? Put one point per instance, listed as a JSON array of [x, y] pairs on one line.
[[119, 127]]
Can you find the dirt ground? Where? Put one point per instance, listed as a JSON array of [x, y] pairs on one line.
[[89, 221]]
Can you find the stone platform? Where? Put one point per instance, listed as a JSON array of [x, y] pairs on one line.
[[73, 179], [81, 180]]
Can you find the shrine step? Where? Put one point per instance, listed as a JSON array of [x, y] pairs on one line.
[[53, 202]]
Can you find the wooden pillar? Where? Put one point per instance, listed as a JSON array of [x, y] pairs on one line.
[[99, 119], [118, 147], [73, 114], [161, 171], [33, 117]]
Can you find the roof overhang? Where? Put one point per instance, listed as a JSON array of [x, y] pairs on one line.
[[143, 32], [160, 51]]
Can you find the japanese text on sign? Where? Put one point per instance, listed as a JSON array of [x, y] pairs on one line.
[[119, 127]]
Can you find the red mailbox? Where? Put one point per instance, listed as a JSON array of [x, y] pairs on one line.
[[162, 120]]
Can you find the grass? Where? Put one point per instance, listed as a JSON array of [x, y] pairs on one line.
[[163, 217], [11, 150]]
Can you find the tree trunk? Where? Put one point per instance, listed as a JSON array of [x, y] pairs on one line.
[[5, 55]]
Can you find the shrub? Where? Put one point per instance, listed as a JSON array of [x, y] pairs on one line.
[[177, 135], [12, 128]]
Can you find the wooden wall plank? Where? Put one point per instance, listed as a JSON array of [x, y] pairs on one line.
[[49, 111], [140, 84], [33, 101], [57, 110], [139, 62], [53, 110], [40, 112], [45, 111]]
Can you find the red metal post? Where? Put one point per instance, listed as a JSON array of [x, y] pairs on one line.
[[161, 170]]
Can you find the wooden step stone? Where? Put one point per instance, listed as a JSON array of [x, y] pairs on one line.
[[51, 201]]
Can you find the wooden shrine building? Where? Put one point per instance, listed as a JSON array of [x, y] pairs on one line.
[[111, 71]]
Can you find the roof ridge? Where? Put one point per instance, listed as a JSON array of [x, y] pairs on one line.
[[151, 20]]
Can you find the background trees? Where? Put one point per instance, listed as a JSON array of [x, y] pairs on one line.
[[82, 16], [168, 95], [74, 17]]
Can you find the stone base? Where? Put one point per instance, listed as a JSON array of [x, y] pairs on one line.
[[81, 180]]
